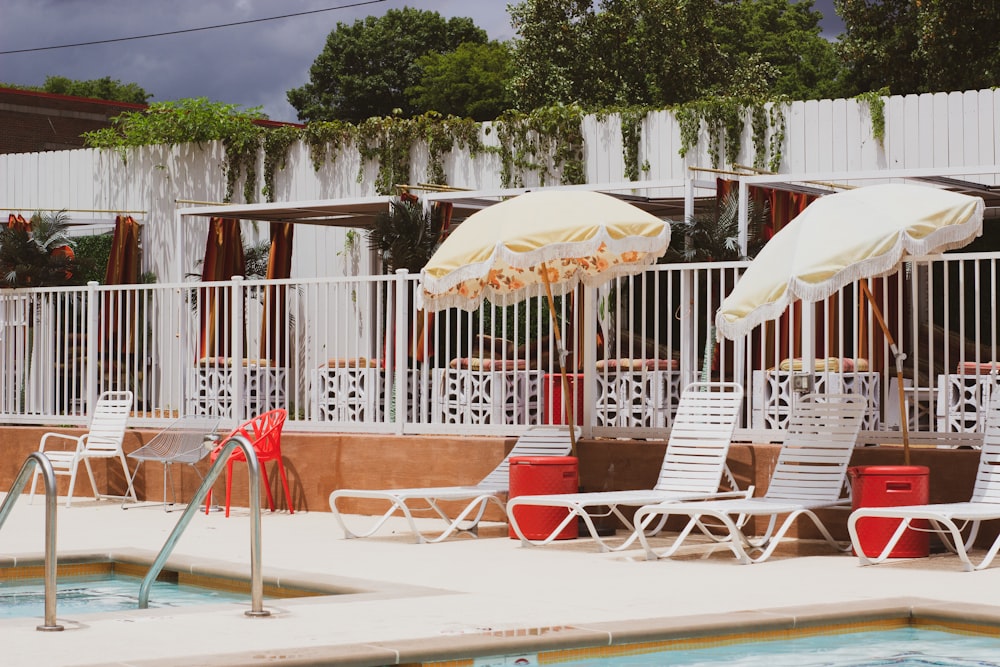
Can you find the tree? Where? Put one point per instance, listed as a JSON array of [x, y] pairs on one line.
[[663, 52], [365, 68], [918, 47], [40, 257], [405, 237], [105, 88], [470, 82], [552, 59], [787, 37]]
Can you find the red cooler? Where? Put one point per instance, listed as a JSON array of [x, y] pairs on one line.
[[543, 475], [890, 486]]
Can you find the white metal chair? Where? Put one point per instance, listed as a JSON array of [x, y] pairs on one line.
[[103, 440], [693, 467], [810, 474], [537, 441], [949, 520]]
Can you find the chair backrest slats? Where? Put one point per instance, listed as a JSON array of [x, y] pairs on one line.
[[822, 432], [536, 441], [108, 421], [700, 436]]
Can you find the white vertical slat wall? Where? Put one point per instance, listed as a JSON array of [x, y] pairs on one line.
[[930, 130]]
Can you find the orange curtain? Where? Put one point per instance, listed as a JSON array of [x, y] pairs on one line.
[[273, 335], [18, 222], [122, 269], [123, 261], [223, 260]]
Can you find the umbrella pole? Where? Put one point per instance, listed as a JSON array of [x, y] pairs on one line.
[[567, 400], [900, 356]]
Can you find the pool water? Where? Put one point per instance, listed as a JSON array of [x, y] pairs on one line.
[[903, 647], [104, 593]]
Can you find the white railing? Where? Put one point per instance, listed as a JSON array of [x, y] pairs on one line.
[[352, 354]]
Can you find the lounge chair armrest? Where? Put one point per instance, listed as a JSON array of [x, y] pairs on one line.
[[63, 436]]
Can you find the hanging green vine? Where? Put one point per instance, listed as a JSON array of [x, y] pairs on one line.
[[388, 141], [876, 109], [758, 132], [326, 139], [544, 141], [725, 120], [242, 149], [276, 145], [631, 122], [442, 134], [777, 116]]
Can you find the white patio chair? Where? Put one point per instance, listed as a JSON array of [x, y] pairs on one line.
[[537, 441], [949, 520], [809, 475], [103, 440], [693, 467]]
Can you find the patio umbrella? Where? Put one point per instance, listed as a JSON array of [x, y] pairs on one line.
[[846, 237], [554, 238]]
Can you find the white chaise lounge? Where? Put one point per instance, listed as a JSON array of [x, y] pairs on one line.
[[692, 468], [537, 441]]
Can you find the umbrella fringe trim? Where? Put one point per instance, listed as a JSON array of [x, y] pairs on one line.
[[434, 295], [938, 241]]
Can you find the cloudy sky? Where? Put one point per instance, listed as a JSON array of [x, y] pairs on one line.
[[252, 65]]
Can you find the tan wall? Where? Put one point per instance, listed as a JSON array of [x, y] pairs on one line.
[[316, 464]]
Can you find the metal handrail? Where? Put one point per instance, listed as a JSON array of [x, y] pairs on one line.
[[256, 578], [49, 477]]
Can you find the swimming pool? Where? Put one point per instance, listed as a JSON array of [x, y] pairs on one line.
[[970, 639], [91, 584], [902, 647]]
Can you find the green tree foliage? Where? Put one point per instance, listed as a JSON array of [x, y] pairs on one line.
[[553, 60], [365, 68], [189, 120], [919, 47], [405, 237], [469, 82], [104, 88], [785, 36], [100, 89], [663, 52], [41, 257]]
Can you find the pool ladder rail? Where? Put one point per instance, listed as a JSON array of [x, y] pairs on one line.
[[256, 577]]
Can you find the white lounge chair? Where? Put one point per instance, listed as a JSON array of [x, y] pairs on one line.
[[537, 441], [692, 468], [809, 475], [949, 520], [103, 440]]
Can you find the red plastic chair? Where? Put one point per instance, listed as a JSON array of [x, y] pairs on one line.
[[264, 433]]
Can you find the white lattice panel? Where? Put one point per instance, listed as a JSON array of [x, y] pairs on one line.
[[962, 402], [357, 395], [465, 396], [773, 396], [638, 398], [212, 390], [346, 394]]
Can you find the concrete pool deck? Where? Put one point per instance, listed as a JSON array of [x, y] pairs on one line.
[[451, 599]]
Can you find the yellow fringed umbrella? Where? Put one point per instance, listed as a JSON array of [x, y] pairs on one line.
[[847, 237], [558, 239]]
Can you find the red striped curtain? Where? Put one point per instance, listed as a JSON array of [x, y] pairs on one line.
[[223, 260]]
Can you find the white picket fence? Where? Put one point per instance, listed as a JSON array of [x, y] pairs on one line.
[[930, 131], [351, 354]]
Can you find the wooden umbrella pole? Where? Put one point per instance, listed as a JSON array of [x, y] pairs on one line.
[[900, 356], [567, 400]]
